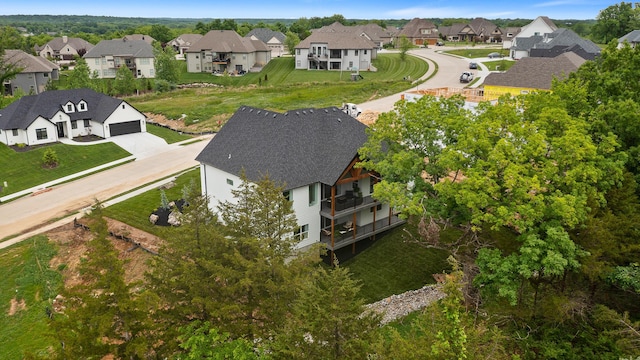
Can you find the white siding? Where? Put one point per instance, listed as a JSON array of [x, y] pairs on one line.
[[123, 113], [41, 123]]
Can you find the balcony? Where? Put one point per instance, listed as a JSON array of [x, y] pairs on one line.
[[346, 204], [343, 237]]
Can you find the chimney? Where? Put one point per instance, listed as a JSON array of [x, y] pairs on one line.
[[64, 39]]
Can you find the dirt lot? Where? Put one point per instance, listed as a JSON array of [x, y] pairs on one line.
[[72, 243]]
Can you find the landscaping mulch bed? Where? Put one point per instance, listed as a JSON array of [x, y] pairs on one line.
[[163, 214]]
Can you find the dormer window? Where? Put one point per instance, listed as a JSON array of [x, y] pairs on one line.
[[82, 106], [69, 108]]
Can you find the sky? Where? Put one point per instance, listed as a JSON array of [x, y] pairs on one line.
[[295, 9]]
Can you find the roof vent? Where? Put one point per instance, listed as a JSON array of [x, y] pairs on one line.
[[304, 112], [339, 120], [327, 111], [286, 114], [243, 109], [311, 111], [297, 113], [258, 112], [250, 110], [266, 113], [274, 115]]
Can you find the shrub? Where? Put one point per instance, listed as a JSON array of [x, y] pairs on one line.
[[164, 86], [50, 158]]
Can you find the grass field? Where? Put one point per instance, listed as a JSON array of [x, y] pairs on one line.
[[474, 53], [168, 135], [26, 277], [22, 170], [285, 89]]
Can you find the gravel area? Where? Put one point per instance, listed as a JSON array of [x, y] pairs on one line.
[[397, 306]]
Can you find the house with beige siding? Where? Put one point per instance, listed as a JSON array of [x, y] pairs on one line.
[[109, 55], [224, 50], [64, 48], [420, 32]]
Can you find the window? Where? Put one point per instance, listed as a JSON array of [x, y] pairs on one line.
[[313, 194], [74, 124], [377, 207], [301, 233], [371, 183], [87, 123], [97, 61], [144, 61], [123, 106], [14, 132], [365, 51], [41, 134], [45, 75], [350, 64], [297, 51], [229, 182], [69, 108], [345, 52], [152, 72], [287, 195], [298, 63], [356, 52], [139, 72], [82, 106]]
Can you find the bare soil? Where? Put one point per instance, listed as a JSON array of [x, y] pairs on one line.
[[16, 306], [72, 247]]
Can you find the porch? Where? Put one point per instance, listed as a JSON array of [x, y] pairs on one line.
[[343, 237]]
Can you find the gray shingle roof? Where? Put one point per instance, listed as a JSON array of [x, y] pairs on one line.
[[21, 113], [337, 40], [264, 35], [297, 148], [29, 63], [536, 72], [526, 43], [566, 37], [226, 41], [135, 48], [632, 37], [77, 43]]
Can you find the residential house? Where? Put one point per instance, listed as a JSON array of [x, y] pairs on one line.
[[146, 38], [564, 40], [273, 39], [51, 115], [509, 34], [183, 42], [35, 75], [109, 55], [453, 32], [224, 50], [312, 153], [420, 32], [481, 30], [632, 38], [529, 35], [64, 48], [531, 74], [339, 51]]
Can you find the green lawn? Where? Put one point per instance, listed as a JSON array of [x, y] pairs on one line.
[[26, 276], [285, 89], [22, 170], [393, 265], [473, 53], [136, 210], [499, 65], [170, 136]]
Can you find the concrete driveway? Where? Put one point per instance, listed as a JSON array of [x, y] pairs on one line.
[[140, 145]]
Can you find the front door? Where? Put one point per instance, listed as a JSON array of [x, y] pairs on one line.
[[60, 129]]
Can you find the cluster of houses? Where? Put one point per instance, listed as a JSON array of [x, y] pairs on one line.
[[312, 152]]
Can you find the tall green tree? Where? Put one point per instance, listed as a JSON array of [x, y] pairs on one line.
[[125, 82], [328, 320], [103, 314], [616, 21], [161, 33], [404, 44], [166, 65], [291, 41], [80, 76]]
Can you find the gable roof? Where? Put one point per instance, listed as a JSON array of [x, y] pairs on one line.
[[482, 26], [337, 40], [77, 43], [371, 31], [146, 38], [28, 62], [632, 37], [187, 39], [567, 38], [536, 72], [452, 30], [296, 148], [414, 27], [526, 43], [22, 112], [121, 47], [226, 41], [265, 35]]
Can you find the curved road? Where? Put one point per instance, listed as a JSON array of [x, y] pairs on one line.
[[31, 215]]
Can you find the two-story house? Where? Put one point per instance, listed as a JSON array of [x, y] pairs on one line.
[[327, 50], [35, 75], [64, 48], [51, 115], [312, 153], [109, 55], [183, 42], [224, 50], [481, 30], [529, 35], [420, 32]]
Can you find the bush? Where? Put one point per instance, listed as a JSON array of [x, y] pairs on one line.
[[50, 158], [164, 86]]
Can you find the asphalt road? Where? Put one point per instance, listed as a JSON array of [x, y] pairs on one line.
[[29, 215]]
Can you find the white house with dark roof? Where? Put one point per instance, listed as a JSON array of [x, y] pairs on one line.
[[109, 55], [64, 48], [183, 42], [224, 50], [35, 75], [312, 153], [632, 38], [529, 35], [51, 115], [340, 51]]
